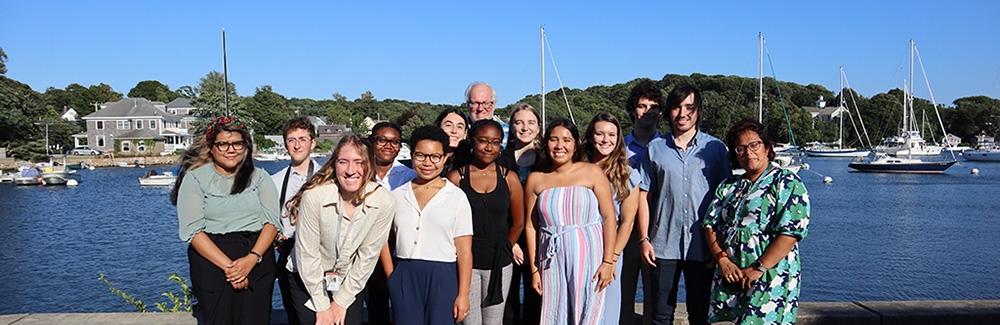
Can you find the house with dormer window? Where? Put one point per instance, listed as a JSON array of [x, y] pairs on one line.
[[139, 127]]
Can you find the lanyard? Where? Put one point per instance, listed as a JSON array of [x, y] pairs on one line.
[[284, 185], [340, 218]]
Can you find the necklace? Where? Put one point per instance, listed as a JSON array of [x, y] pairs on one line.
[[429, 185]]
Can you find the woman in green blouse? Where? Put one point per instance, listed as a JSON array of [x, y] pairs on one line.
[[753, 228], [227, 211]]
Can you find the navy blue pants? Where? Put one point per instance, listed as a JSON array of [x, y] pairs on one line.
[[423, 292], [697, 282]]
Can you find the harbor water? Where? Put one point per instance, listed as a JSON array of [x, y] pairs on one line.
[[871, 237]]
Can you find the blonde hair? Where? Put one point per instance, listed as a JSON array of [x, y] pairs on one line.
[[512, 135], [328, 173], [614, 165]]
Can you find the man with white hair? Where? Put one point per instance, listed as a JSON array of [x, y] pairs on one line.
[[482, 101]]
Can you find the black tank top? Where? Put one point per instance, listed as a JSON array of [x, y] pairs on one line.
[[490, 248]]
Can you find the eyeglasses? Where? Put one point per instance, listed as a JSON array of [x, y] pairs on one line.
[[420, 156], [753, 146], [382, 141], [480, 104], [224, 146], [294, 141], [486, 142]]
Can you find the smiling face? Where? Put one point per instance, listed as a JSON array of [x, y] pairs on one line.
[[561, 146], [605, 139], [684, 117], [525, 126], [428, 159], [486, 144], [299, 144], [454, 125], [481, 103], [753, 160], [349, 169], [228, 151], [387, 143]]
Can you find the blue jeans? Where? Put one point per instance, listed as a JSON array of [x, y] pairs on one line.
[[697, 282]]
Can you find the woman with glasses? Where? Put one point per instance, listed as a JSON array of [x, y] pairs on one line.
[[570, 231], [387, 138], [342, 219], [753, 228], [227, 211], [603, 145], [456, 125], [433, 229], [494, 193]]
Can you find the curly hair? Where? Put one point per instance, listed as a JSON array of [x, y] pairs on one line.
[[328, 173], [644, 89], [614, 165]]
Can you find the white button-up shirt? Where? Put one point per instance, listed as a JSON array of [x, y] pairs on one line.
[[429, 234]]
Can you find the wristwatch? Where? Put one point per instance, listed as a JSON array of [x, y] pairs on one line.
[[259, 258], [759, 267]]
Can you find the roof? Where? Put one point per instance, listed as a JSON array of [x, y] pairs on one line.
[[130, 107], [139, 134], [180, 102]]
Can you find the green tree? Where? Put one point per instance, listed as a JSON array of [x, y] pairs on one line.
[[210, 100], [20, 107], [3, 62], [153, 90], [269, 110]]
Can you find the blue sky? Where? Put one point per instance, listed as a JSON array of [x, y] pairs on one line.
[[430, 52]]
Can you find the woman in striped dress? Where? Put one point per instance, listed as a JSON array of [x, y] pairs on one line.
[[571, 230]]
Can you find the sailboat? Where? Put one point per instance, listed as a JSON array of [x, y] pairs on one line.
[[883, 163], [785, 158], [838, 149]]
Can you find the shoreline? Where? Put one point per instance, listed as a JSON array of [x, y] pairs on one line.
[[10, 164]]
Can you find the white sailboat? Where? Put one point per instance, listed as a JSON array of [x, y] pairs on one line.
[[837, 149], [883, 163]]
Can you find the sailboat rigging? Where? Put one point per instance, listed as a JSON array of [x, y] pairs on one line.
[[838, 150], [545, 44]]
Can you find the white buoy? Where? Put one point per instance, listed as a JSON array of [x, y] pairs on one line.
[[827, 179], [805, 165], [975, 171], [90, 167], [72, 182]]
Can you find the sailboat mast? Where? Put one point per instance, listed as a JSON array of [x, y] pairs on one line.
[[909, 97], [541, 46], [840, 139], [225, 72], [760, 78]]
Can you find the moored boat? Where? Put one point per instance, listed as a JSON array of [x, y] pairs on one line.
[[153, 179], [887, 164], [982, 154]]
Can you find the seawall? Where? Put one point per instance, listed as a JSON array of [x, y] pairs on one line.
[[810, 313], [10, 164]]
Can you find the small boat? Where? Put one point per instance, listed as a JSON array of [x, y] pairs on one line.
[[992, 154], [130, 165], [154, 179], [836, 152], [57, 177], [886, 164], [77, 166], [265, 157], [28, 176]]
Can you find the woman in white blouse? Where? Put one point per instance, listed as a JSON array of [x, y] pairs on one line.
[[433, 227], [342, 217]]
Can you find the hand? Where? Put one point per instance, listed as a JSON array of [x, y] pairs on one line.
[[647, 254], [750, 275], [605, 274], [239, 269], [241, 284], [331, 316], [536, 282], [730, 272], [518, 254], [461, 308], [279, 239]]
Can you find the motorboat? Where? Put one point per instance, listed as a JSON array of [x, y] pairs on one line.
[[822, 151], [28, 176], [154, 179], [886, 164], [134, 164], [992, 154]]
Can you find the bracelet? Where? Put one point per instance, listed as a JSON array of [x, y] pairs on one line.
[[259, 258], [536, 271], [616, 254], [720, 255], [646, 239], [608, 263]]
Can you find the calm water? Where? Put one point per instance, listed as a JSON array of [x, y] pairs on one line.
[[871, 237]]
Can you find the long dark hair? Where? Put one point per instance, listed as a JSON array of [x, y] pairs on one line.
[[200, 153], [614, 165], [546, 161]]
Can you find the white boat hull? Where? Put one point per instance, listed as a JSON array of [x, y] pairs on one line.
[[838, 153], [982, 155]]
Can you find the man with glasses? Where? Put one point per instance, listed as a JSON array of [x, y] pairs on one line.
[[298, 135], [679, 174], [482, 101]]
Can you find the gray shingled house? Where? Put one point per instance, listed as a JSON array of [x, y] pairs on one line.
[[138, 127]]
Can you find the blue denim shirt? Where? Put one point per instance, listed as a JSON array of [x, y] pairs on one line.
[[680, 185], [635, 150]]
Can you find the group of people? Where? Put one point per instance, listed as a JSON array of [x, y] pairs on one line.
[[487, 208]]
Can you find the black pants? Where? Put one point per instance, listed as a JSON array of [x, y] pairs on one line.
[[285, 278], [532, 301], [306, 316], [377, 297], [218, 301], [697, 283]]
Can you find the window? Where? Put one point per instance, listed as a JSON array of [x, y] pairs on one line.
[[152, 124], [138, 124], [100, 125], [125, 146], [141, 147], [100, 141], [123, 124]]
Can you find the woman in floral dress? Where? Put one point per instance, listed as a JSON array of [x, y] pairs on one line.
[[753, 228]]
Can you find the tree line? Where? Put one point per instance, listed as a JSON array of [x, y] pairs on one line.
[[24, 113]]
